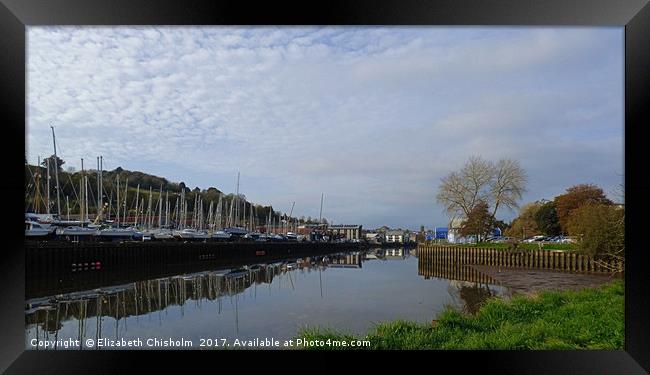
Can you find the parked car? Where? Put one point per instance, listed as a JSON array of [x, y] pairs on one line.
[[496, 239], [568, 240]]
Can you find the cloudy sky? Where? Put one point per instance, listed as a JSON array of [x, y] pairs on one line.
[[371, 117]]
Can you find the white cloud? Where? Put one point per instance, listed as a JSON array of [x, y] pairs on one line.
[[373, 117]]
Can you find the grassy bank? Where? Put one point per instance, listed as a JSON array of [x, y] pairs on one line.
[[523, 246], [586, 319], [530, 246]]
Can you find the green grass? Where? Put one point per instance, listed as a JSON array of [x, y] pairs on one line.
[[586, 319], [523, 246]]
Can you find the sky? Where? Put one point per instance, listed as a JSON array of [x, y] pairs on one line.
[[371, 117]]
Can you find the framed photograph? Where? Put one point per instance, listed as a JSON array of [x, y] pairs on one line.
[[461, 179]]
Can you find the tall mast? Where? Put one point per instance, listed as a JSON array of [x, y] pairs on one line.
[[320, 215], [137, 197], [213, 216], [219, 210], [229, 222], [81, 199], [167, 209], [118, 200], [181, 212], [99, 193], [237, 200], [101, 184], [179, 206], [56, 173], [110, 204], [176, 211], [210, 215], [86, 198], [160, 208], [144, 219], [290, 213], [67, 205], [82, 210], [149, 214], [194, 212], [126, 193], [201, 211], [185, 208], [47, 201], [37, 195]]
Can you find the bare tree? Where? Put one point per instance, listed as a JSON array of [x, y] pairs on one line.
[[461, 190], [452, 194], [500, 184], [507, 185]]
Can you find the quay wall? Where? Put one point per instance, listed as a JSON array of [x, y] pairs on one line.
[[56, 267], [540, 259], [53, 257]]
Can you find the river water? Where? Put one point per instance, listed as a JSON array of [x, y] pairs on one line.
[[347, 291]]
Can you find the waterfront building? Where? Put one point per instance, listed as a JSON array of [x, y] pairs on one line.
[[349, 231], [396, 236]]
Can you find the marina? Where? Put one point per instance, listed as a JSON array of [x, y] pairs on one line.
[[195, 188], [118, 213]]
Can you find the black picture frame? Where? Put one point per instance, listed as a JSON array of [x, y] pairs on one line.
[[634, 15]]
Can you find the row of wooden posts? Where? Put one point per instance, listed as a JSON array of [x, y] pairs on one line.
[[428, 269], [541, 259]]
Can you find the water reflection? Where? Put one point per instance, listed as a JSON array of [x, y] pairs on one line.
[[391, 285], [471, 296], [468, 287], [44, 316]]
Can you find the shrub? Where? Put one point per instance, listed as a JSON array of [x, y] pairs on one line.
[[600, 229]]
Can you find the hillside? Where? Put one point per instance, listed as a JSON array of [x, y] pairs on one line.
[[70, 183]]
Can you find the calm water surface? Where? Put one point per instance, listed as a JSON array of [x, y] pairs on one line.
[[347, 291]]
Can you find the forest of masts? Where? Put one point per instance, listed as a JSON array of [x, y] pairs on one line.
[[123, 205]]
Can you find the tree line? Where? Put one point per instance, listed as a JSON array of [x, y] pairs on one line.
[[474, 194], [584, 212]]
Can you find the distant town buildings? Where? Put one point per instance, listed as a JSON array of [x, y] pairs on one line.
[[339, 231]]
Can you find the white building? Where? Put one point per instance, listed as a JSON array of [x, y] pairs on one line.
[[396, 236], [453, 235]]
